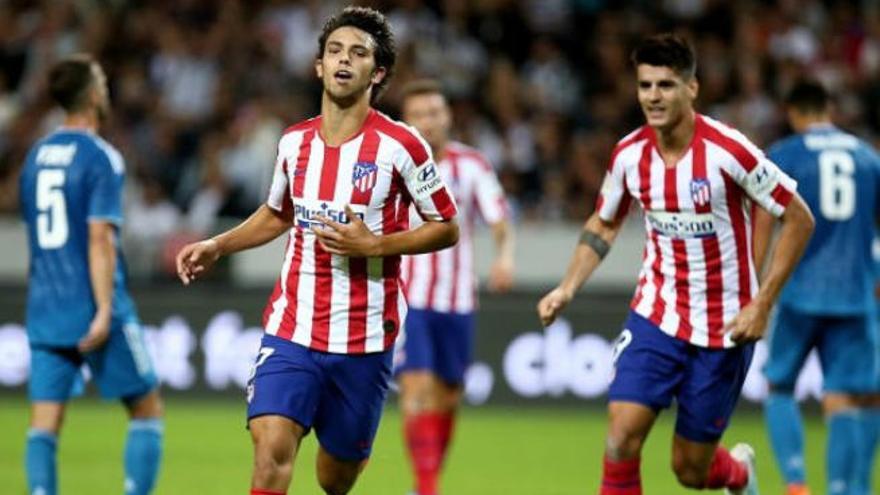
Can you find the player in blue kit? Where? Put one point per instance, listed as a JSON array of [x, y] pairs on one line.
[[78, 309], [828, 303]]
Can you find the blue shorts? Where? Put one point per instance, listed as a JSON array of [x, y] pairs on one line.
[[121, 368], [341, 396], [442, 343], [847, 348], [652, 368]]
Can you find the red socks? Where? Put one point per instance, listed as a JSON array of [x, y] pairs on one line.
[[726, 472], [427, 438], [260, 491], [621, 477]]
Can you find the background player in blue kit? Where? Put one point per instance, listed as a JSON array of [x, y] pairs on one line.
[[828, 303], [78, 308]]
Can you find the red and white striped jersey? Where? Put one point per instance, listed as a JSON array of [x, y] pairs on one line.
[[698, 269], [444, 280], [336, 303]]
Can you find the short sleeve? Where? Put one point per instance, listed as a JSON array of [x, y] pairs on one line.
[[614, 200], [431, 197], [106, 178], [279, 191], [767, 185], [758, 176], [490, 195]]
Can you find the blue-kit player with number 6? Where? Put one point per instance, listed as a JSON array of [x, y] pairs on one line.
[[78, 309], [828, 303]]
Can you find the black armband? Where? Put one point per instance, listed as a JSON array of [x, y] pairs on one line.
[[592, 239]]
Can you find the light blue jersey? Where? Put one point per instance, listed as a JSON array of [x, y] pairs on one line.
[[70, 177], [838, 176]]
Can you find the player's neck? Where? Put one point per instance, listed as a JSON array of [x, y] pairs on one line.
[[340, 121], [674, 141], [86, 121]]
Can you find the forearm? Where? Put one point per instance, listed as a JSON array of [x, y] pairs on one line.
[[797, 227], [102, 265], [428, 237], [262, 226], [586, 258], [502, 234], [763, 235]]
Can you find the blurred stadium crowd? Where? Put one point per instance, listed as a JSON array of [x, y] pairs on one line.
[[202, 89]]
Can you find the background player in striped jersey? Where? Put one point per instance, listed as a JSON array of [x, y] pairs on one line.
[[437, 340], [697, 309], [829, 302], [78, 308], [343, 185]]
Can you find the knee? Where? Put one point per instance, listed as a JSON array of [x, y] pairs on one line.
[[149, 406], [271, 462], [335, 485], [621, 444], [688, 474]]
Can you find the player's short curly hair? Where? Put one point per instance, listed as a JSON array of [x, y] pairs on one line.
[[808, 96], [667, 50], [70, 80], [376, 25]]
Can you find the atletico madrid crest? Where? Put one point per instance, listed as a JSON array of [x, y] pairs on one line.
[[701, 191], [363, 176]]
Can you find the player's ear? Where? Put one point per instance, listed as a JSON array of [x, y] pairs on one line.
[[319, 68], [693, 88], [378, 75]]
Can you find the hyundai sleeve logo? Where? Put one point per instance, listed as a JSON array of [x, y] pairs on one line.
[[428, 173]]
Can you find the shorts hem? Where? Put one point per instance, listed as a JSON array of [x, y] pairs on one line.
[[698, 437], [302, 424], [654, 406], [344, 457]]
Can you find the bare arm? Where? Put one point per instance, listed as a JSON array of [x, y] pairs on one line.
[[583, 263], [501, 275], [764, 223], [261, 227], [102, 265], [355, 239], [797, 227]]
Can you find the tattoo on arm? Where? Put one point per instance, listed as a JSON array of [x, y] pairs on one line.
[[596, 243]]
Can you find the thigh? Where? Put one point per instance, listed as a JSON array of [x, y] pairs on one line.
[[284, 382], [709, 393], [122, 368], [453, 337], [55, 374], [648, 365], [414, 351], [351, 403], [792, 336], [847, 351]]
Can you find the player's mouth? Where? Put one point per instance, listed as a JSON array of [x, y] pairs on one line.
[[656, 112], [343, 76]]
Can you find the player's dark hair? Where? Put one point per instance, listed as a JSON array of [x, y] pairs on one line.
[[376, 25], [419, 87], [70, 80], [808, 96], [667, 50]]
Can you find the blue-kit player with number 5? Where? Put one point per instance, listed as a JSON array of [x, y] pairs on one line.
[[828, 303], [78, 309]]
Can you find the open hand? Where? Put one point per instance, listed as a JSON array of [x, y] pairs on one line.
[[353, 239], [195, 259]]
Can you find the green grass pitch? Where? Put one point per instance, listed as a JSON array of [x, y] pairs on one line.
[[497, 451]]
